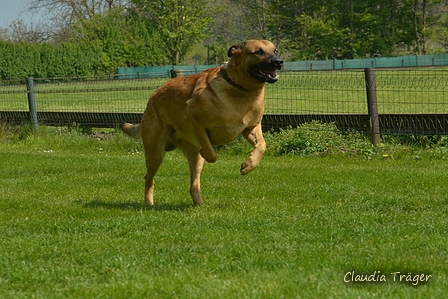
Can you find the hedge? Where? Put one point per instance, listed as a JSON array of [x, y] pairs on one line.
[[20, 60]]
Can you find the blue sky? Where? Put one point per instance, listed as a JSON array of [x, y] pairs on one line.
[[15, 9]]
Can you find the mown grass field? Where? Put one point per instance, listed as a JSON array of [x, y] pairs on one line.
[[312, 92], [73, 224]]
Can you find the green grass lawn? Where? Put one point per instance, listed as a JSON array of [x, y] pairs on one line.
[[73, 224]]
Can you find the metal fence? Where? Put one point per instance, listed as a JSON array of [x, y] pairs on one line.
[[409, 101]]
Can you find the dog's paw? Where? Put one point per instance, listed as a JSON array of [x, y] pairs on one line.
[[246, 167]]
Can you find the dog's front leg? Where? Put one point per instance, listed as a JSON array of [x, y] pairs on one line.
[[206, 148], [255, 138], [196, 109]]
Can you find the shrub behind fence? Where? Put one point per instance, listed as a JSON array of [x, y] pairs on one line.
[[410, 101]]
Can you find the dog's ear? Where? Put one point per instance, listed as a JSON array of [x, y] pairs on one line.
[[235, 48]]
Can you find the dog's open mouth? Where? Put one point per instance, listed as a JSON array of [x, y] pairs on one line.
[[265, 75], [269, 75], [266, 72]]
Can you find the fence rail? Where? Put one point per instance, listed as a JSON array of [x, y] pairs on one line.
[[409, 101]]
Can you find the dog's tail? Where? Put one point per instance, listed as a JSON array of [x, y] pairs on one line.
[[132, 130]]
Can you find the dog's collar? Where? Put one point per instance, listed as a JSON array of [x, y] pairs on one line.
[[226, 77]]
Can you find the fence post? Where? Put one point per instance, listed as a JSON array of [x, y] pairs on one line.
[[32, 102], [372, 105]]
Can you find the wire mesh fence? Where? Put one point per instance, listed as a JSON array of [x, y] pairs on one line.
[[410, 101], [317, 92], [413, 101], [82, 95], [419, 91]]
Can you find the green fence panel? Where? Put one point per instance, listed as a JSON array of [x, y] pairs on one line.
[[306, 65], [160, 71]]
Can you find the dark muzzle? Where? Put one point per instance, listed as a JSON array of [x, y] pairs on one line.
[[266, 71]]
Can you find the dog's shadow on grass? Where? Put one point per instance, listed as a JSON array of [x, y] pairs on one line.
[[135, 206]]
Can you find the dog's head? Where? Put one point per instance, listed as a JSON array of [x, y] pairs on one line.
[[259, 57]]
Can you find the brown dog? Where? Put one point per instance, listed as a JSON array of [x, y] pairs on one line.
[[194, 113]]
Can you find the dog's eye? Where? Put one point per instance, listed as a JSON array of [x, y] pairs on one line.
[[259, 52], [276, 52]]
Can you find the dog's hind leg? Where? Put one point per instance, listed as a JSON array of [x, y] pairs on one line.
[[154, 139], [255, 138], [196, 162]]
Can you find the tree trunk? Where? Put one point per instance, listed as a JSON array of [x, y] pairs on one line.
[[423, 36], [416, 30]]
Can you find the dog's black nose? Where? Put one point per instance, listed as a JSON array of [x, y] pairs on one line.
[[277, 62]]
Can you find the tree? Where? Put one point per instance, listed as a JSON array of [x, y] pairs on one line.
[[255, 13], [123, 40], [321, 38], [230, 25], [64, 13], [19, 31], [4, 34], [426, 15], [355, 28], [180, 23], [441, 33]]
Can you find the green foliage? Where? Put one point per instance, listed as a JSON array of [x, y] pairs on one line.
[[98, 46], [218, 53], [122, 40], [318, 139], [180, 23], [415, 147], [355, 29], [149, 33], [7, 132], [325, 139], [321, 38], [23, 60]]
